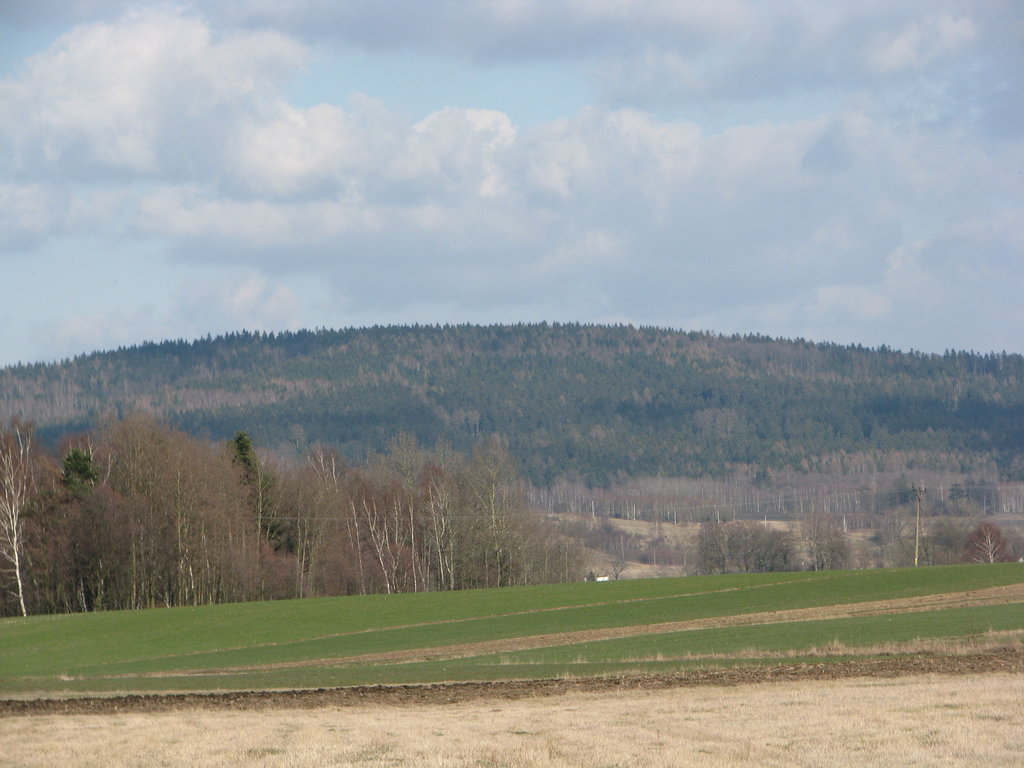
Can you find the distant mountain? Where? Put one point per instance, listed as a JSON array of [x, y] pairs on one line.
[[592, 403]]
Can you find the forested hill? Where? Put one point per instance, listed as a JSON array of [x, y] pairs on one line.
[[595, 403]]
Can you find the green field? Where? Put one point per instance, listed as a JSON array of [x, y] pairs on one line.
[[311, 643]]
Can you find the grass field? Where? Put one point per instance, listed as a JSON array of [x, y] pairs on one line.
[[514, 633]]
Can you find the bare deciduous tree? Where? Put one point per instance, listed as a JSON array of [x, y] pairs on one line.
[[742, 546], [827, 547], [16, 478], [712, 547], [440, 492], [986, 544]]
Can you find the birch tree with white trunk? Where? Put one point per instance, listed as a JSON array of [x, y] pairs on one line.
[[16, 477]]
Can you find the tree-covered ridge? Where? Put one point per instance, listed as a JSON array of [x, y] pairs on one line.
[[584, 401]]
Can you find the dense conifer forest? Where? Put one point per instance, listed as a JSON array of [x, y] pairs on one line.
[[591, 404]]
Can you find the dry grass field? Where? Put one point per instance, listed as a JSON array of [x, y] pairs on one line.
[[926, 720]]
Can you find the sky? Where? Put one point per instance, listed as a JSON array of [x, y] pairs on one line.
[[834, 171]]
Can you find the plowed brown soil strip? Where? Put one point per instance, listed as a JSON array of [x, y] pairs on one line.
[[451, 693]]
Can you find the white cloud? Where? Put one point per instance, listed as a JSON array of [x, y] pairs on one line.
[[33, 212], [219, 303], [492, 28], [810, 52], [921, 42], [99, 328], [456, 151], [295, 152], [645, 53], [467, 208], [26, 214], [172, 130], [191, 213], [145, 95], [252, 302], [593, 249], [858, 302]]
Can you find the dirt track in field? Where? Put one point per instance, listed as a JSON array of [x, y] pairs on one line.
[[990, 596], [978, 597], [452, 693], [1002, 660]]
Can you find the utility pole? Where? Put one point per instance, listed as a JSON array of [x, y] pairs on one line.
[[919, 494]]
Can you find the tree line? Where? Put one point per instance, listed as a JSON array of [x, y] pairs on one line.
[[749, 525], [815, 542], [137, 514], [819, 543]]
